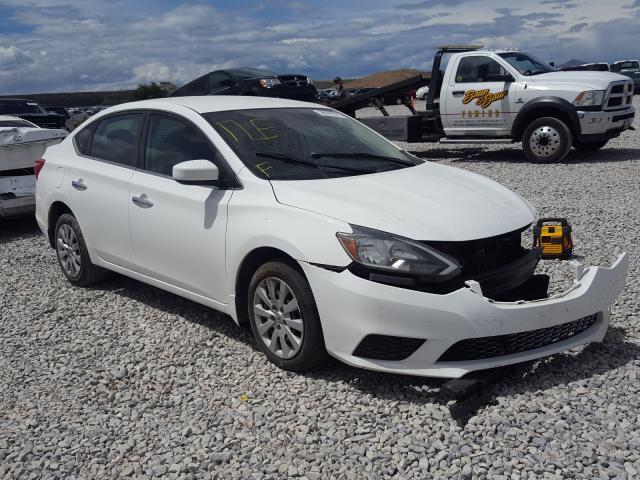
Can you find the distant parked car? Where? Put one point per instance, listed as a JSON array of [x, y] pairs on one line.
[[32, 111], [628, 68], [68, 122], [422, 92], [252, 82]]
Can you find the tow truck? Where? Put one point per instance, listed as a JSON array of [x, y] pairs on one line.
[[478, 95]]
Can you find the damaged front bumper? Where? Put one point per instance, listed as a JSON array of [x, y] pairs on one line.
[[366, 324]]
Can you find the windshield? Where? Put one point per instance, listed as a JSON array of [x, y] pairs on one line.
[[19, 106], [306, 143], [627, 65], [526, 64]]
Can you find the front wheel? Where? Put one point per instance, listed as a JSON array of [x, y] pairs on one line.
[[284, 317], [546, 139], [589, 146]]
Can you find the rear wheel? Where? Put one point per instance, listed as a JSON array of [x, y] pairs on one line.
[[546, 139], [284, 317], [72, 253], [589, 146]]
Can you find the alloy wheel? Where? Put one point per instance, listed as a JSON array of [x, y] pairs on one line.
[[68, 250], [278, 317]]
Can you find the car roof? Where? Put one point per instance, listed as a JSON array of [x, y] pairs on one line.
[[215, 103]]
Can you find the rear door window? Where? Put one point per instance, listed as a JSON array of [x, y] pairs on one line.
[[116, 139]]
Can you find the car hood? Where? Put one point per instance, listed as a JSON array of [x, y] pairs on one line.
[[427, 202], [592, 80]]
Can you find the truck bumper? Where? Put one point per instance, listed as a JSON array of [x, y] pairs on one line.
[[602, 125], [451, 335]]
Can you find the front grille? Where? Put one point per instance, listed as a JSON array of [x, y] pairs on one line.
[[386, 347], [478, 256], [615, 102], [619, 95], [294, 80], [500, 345]]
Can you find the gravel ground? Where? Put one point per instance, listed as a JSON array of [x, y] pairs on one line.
[[124, 380]]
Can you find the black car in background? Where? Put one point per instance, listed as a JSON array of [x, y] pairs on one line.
[[251, 81], [32, 111]]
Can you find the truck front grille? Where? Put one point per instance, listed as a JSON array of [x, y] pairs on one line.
[[294, 80], [619, 95], [500, 345]]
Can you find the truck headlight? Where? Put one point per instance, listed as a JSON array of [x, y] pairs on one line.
[[590, 98], [269, 82], [394, 254]]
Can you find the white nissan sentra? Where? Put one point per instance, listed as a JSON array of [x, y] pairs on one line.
[[322, 235]]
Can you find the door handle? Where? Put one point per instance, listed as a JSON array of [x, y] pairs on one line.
[[142, 201], [457, 92], [79, 184]]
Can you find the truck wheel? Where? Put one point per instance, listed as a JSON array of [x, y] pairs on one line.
[[284, 317], [589, 146], [546, 139]]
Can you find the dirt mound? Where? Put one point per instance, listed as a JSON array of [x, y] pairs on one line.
[[380, 79]]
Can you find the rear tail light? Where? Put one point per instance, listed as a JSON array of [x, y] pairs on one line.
[[38, 166]]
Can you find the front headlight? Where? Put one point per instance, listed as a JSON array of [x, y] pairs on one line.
[[589, 98], [394, 254], [269, 82]]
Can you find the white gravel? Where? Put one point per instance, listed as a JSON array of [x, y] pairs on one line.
[[124, 380]]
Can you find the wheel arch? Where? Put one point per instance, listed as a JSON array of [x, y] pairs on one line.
[[57, 209], [249, 264], [555, 107]]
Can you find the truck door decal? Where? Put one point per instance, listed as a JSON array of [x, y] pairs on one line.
[[483, 98]]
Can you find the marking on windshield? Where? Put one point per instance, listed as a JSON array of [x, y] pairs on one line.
[[254, 132], [263, 167]]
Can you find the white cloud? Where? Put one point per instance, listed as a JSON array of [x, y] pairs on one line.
[[12, 57]]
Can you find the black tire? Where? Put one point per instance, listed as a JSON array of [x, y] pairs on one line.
[[87, 273], [546, 140], [589, 146], [312, 352]]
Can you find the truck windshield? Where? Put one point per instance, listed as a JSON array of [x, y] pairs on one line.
[[526, 64], [306, 143], [627, 65]]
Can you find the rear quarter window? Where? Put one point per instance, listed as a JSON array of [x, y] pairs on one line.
[[82, 140]]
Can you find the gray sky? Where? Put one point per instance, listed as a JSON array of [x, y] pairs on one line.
[[52, 45]]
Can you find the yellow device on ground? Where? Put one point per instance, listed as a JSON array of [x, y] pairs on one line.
[[554, 236]]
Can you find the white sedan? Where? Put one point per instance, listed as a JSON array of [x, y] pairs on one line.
[[322, 235]]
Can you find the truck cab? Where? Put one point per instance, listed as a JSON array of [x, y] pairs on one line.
[[484, 95]]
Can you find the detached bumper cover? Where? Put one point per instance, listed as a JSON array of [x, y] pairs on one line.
[[351, 308]]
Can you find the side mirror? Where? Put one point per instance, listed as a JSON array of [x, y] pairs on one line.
[[197, 172]]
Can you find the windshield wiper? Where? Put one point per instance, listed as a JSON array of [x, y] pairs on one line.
[[300, 161], [364, 155]]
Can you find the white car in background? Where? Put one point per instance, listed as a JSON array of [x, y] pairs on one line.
[[422, 93], [319, 233]]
